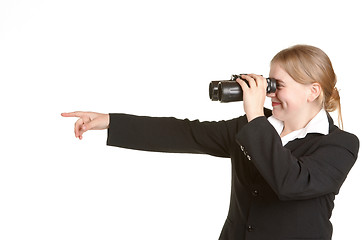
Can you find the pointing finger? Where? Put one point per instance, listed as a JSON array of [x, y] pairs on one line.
[[73, 114]]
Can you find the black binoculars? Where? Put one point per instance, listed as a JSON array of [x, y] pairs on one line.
[[231, 91]]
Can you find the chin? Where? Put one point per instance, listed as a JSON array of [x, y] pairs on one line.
[[277, 114]]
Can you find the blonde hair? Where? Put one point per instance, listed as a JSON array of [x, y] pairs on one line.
[[306, 65]]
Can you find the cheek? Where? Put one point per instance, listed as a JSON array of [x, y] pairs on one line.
[[290, 99], [283, 96]]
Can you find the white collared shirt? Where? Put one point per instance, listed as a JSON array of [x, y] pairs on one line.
[[319, 124]]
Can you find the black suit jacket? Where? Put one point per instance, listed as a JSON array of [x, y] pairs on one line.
[[277, 192]]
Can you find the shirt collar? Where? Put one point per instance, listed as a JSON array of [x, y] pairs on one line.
[[319, 124]]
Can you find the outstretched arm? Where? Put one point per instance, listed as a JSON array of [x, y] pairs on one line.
[[161, 134]]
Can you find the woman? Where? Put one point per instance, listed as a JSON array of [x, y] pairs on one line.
[[287, 164]]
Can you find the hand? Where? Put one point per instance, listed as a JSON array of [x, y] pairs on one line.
[[88, 121], [253, 96]]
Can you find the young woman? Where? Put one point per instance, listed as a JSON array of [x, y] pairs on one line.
[[287, 164]]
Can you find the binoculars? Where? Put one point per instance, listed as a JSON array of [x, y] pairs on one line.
[[231, 91]]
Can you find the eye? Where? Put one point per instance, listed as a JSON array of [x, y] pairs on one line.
[[279, 84]]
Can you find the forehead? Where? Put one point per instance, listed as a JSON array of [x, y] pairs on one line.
[[277, 72]]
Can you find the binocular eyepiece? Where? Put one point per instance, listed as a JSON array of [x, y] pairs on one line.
[[231, 91]]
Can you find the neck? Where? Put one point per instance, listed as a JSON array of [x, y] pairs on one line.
[[299, 121]]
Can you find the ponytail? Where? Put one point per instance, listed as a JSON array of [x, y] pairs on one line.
[[334, 103]]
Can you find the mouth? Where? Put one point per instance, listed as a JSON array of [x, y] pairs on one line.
[[274, 104]]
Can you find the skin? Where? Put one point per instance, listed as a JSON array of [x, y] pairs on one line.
[[293, 103], [88, 121]]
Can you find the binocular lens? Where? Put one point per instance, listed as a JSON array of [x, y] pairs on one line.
[[213, 90]]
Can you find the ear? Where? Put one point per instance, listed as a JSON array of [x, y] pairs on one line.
[[314, 91]]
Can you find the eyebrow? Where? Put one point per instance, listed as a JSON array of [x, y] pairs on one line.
[[279, 82], [277, 79]]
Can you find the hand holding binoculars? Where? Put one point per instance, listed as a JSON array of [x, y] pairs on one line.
[[231, 91]]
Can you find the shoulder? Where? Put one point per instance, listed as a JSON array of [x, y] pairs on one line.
[[338, 137]]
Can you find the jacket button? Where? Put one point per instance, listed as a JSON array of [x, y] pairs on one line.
[[255, 193], [250, 228]]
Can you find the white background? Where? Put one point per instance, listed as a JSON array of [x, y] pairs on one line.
[[148, 58]]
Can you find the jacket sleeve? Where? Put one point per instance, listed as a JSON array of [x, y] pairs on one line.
[[168, 134], [319, 173]]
